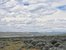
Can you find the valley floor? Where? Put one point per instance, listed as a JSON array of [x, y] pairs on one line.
[[33, 43]]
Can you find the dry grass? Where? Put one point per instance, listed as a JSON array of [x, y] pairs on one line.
[[33, 43]]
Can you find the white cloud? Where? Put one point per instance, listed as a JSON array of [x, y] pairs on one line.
[[20, 17]]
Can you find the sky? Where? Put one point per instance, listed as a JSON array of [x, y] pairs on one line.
[[33, 16]]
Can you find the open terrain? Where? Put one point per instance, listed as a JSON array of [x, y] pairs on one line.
[[33, 43]]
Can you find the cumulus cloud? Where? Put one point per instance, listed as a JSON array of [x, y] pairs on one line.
[[39, 16]]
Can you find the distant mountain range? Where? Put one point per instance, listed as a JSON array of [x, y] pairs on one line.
[[30, 34]]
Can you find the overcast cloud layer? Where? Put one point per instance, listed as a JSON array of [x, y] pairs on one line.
[[33, 16]]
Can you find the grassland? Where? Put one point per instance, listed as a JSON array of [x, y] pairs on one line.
[[33, 43]]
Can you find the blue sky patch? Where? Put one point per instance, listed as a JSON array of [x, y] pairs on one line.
[[63, 8]]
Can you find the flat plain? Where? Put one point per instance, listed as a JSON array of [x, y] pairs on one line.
[[33, 43]]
